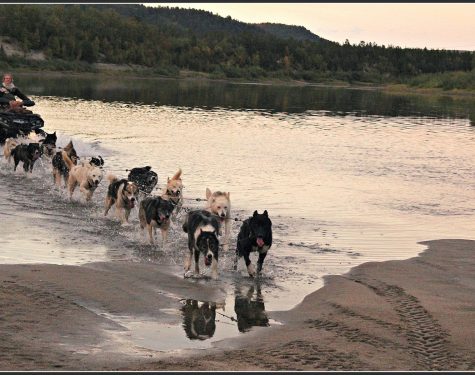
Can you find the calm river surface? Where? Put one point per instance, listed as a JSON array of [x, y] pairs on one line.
[[347, 176]]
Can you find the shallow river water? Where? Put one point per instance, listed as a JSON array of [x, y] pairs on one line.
[[347, 176]]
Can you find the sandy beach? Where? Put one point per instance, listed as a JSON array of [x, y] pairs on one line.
[[415, 314]]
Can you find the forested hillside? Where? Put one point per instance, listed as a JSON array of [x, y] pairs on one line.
[[289, 32], [167, 40]]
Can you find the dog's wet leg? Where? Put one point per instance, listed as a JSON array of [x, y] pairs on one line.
[[150, 234], [164, 237], [236, 259], [260, 261], [187, 261], [227, 234], [108, 205], [197, 262], [89, 195], [250, 268], [71, 187], [214, 269], [86, 192]]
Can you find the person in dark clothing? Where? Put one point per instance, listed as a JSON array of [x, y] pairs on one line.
[[9, 92]]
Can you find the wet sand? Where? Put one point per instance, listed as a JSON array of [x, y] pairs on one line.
[[415, 314]]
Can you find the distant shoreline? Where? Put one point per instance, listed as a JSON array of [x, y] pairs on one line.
[[390, 88]]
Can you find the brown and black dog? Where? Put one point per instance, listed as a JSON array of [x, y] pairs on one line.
[[155, 212], [48, 144], [60, 166], [122, 193]]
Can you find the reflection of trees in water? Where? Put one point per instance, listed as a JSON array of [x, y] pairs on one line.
[[199, 319], [250, 309], [208, 94]]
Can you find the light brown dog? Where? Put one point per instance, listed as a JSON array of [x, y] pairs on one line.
[[124, 194], [173, 192], [219, 204], [86, 175], [10, 144]]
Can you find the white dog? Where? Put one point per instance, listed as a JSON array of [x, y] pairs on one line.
[[219, 204], [85, 175]]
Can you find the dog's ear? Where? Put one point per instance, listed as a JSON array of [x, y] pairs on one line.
[[69, 146], [254, 214], [266, 214], [208, 193], [148, 167], [177, 175], [168, 179], [228, 195]]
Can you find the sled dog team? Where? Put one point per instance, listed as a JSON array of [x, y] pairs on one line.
[[204, 226]]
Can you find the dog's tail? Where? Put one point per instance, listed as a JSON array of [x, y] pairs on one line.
[[111, 178], [67, 159], [177, 175]]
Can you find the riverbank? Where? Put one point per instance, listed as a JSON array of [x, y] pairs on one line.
[[415, 314], [110, 70]]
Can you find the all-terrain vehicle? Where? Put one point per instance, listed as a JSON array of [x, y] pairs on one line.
[[14, 124]]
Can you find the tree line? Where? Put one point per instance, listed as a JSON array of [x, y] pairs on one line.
[[171, 39]]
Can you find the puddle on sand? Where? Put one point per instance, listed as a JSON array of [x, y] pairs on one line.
[[198, 324]]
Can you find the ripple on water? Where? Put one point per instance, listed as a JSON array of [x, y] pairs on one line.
[[341, 189]]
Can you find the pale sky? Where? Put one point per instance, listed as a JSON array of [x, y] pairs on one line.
[[443, 26]]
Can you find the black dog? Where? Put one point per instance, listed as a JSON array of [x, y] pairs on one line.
[[144, 177], [202, 228], [250, 311], [48, 144], [28, 154], [255, 235], [50, 139], [155, 213], [199, 322]]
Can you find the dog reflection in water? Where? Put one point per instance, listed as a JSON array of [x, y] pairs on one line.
[[250, 310], [199, 319]]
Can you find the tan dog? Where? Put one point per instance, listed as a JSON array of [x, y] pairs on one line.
[[219, 204], [10, 144], [173, 192], [60, 162], [85, 175], [123, 194]]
